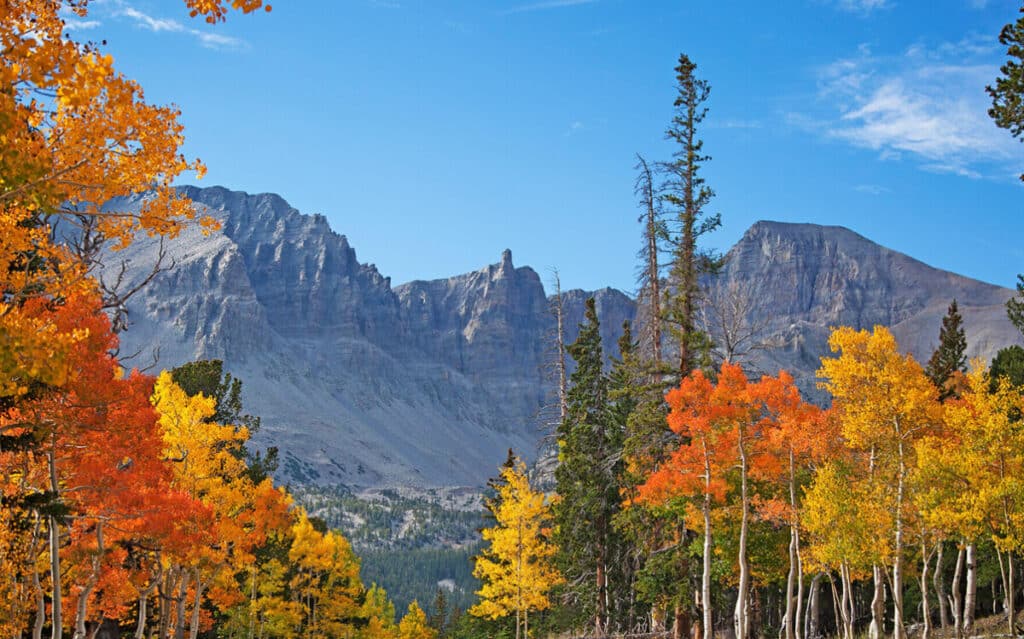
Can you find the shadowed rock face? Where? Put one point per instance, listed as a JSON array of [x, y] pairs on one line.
[[428, 383], [804, 279], [424, 384]]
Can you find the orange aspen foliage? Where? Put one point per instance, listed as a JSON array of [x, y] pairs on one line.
[[100, 457], [74, 133]]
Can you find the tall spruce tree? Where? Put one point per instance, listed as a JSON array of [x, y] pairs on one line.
[[625, 383], [586, 478], [950, 355], [1008, 93], [686, 195]]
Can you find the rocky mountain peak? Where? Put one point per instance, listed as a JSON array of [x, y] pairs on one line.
[[430, 382]]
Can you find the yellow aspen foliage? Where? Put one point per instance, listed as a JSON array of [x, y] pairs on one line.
[[972, 477], [414, 624], [270, 612], [379, 613], [326, 580], [885, 404], [74, 134], [847, 523], [516, 566], [209, 467]]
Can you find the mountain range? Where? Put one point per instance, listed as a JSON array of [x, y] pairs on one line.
[[426, 384]]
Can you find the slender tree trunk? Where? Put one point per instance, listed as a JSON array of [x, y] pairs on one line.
[[837, 610], [56, 618], [789, 626], [799, 586], [877, 628], [681, 626], [957, 599], [971, 594], [899, 632], [925, 610], [81, 610], [181, 603], [813, 615], [705, 579], [37, 628], [601, 611], [1011, 590], [740, 618], [1003, 580], [194, 629], [645, 186], [563, 386], [794, 580], [939, 585], [140, 627]]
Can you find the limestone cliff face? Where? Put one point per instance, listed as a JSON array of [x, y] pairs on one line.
[[803, 279], [425, 384], [428, 383]]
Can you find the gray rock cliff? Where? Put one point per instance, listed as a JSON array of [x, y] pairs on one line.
[[428, 383]]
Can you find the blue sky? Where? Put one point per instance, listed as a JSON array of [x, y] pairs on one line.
[[434, 134]]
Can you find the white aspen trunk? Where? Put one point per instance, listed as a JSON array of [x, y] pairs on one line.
[[956, 598], [876, 630], [180, 604], [740, 617], [81, 610], [37, 628], [705, 580], [899, 631], [925, 610], [791, 619], [788, 615], [813, 608], [1003, 581], [939, 585], [140, 627], [1011, 592], [971, 594], [196, 606], [799, 585], [56, 619]]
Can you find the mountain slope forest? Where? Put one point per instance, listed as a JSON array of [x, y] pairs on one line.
[[691, 485]]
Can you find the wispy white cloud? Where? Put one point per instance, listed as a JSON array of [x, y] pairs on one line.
[[206, 39], [862, 7], [75, 22], [574, 127], [217, 40], [928, 103], [156, 25], [80, 25], [871, 189], [735, 123], [545, 5]]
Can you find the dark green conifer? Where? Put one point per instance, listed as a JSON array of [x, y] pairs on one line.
[[686, 195], [586, 479], [1008, 93], [950, 355]]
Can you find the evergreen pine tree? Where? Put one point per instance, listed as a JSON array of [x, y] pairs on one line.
[[686, 194], [1008, 93], [586, 478], [950, 355], [438, 619]]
